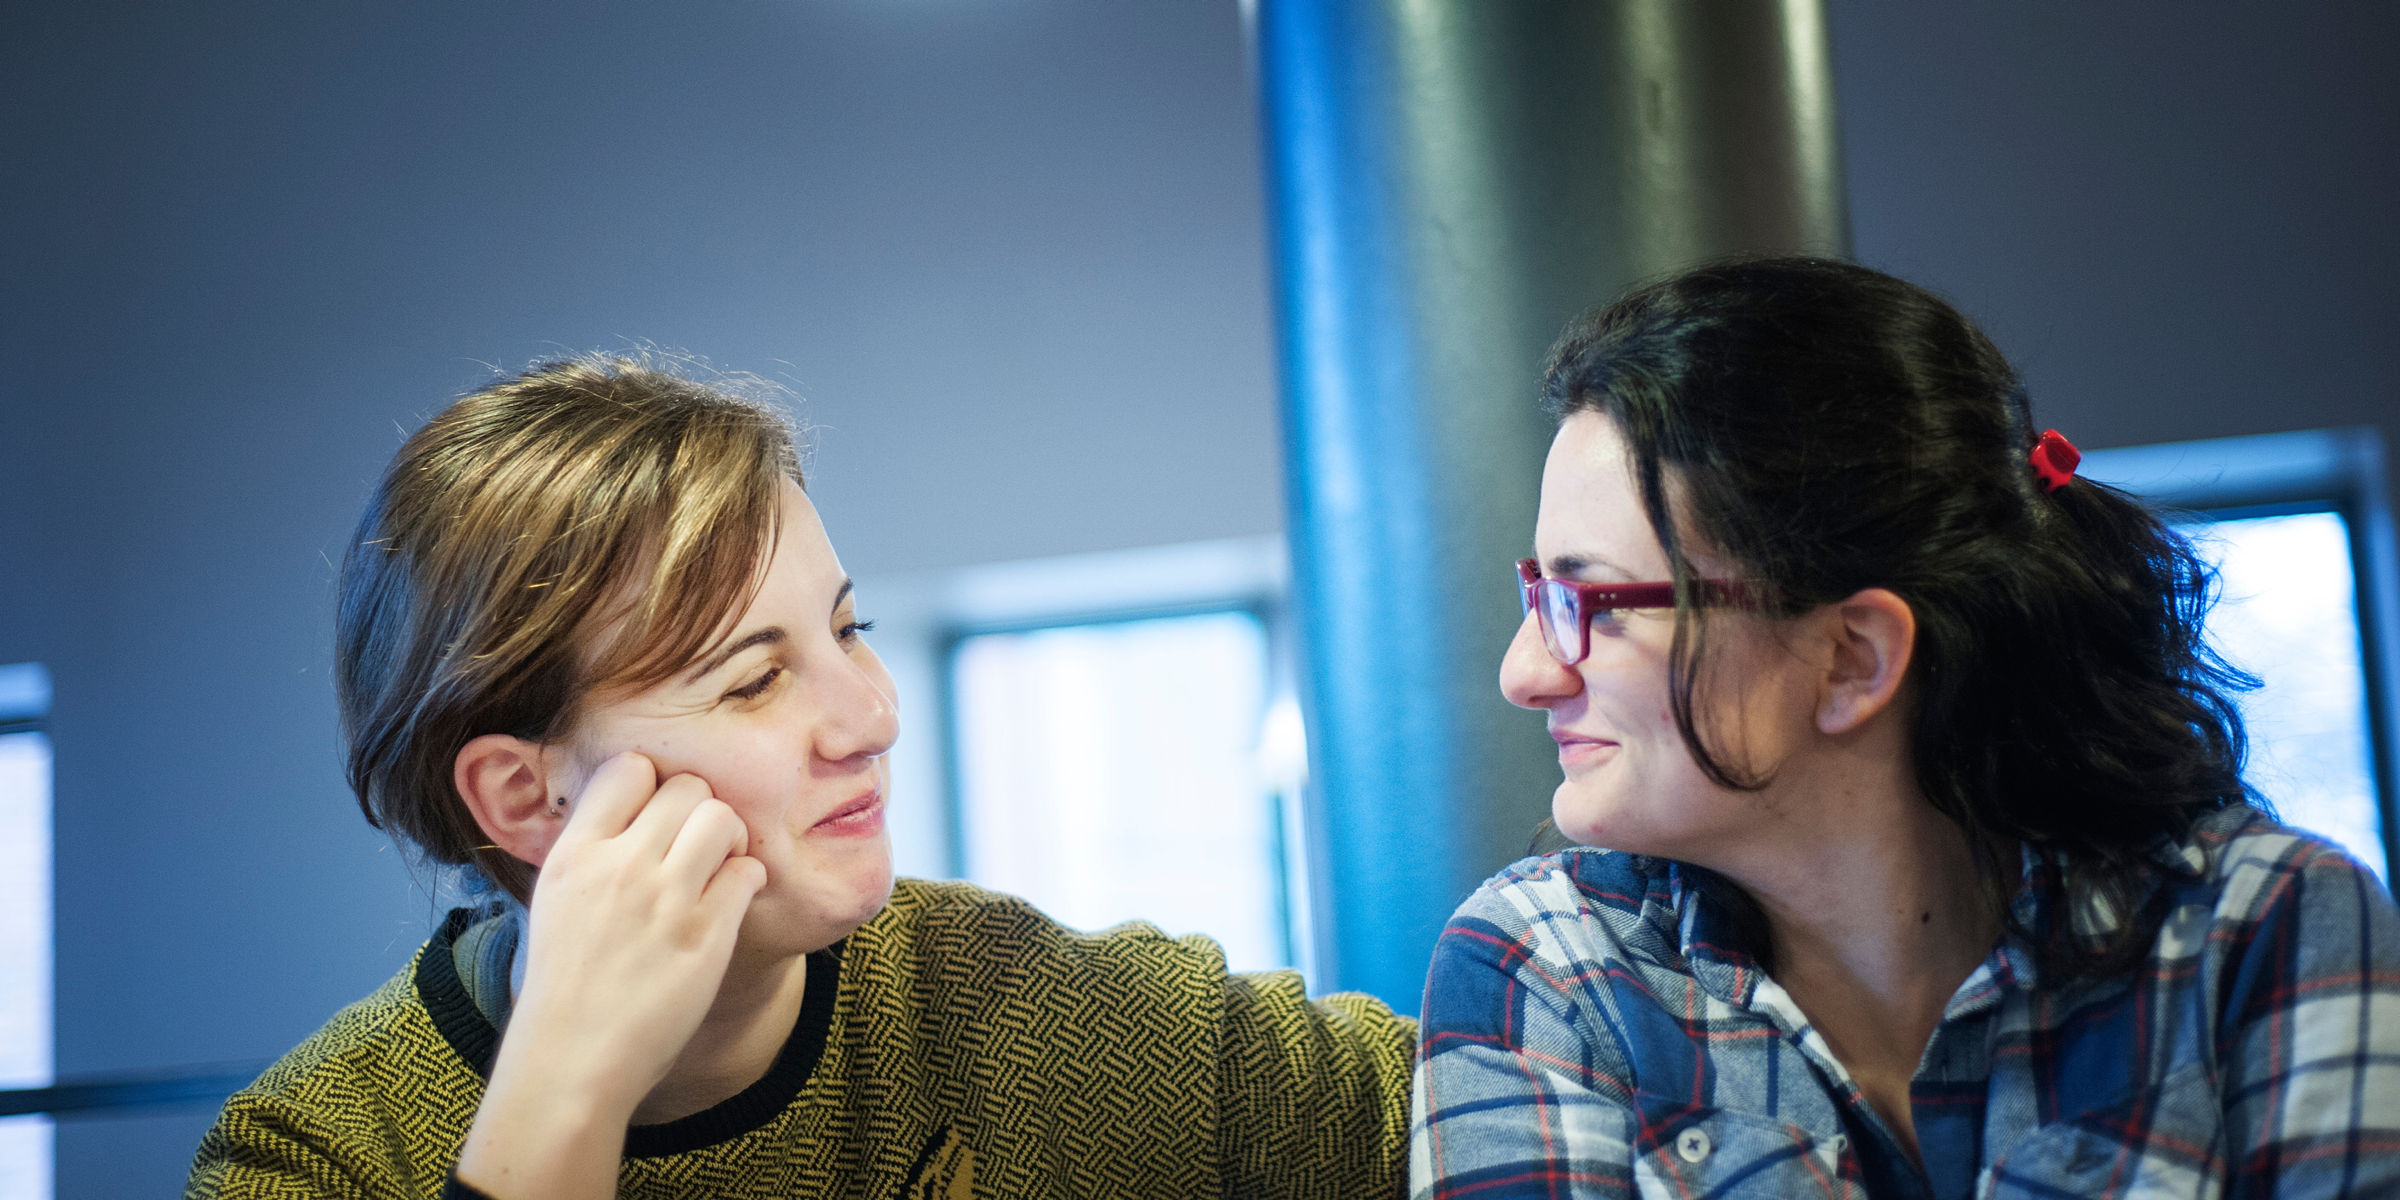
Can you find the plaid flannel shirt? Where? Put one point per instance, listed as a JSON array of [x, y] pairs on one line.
[[1588, 1032]]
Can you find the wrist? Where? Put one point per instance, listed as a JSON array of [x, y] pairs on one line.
[[537, 1135], [545, 1072]]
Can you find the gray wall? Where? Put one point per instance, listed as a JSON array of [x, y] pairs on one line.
[[2177, 219], [1010, 253]]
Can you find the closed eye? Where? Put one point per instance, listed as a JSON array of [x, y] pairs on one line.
[[756, 687], [849, 633]]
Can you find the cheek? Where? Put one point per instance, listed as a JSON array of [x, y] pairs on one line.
[[1758, 715], [1656, 764], [1633, 698], [744, 772], [762, 795]]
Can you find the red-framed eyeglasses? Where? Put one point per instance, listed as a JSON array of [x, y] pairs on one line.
[[1564, 608]]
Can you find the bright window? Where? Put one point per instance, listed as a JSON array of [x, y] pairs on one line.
[[1130, 769], [25, 927], [2298, 526], [2289, 615]]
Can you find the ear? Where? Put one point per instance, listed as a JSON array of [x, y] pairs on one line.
[[506, 784], [1874, 639]]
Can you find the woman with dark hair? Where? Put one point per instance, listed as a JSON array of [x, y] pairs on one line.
[[595, 653], [1929, 870]]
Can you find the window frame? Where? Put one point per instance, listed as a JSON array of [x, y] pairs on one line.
[[922, 617], [25, 699], [1268, 610], [2340, 471]]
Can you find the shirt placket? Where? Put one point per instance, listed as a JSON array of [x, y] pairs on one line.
[[1957, 1052], [1733, 977]]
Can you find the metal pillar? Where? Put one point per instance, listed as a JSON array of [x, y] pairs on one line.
[[1450, 181]]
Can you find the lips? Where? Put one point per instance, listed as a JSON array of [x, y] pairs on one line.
[[1576, 749], [862, 815]]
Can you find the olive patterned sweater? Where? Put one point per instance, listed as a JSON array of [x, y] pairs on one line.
[[958, 1045]]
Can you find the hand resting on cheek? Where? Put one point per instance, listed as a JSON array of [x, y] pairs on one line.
[[631, 927]]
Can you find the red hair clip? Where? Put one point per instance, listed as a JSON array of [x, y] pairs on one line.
[[2054, 459]]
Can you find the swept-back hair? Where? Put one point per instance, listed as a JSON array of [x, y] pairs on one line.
[[1829, 428], [585, 524]]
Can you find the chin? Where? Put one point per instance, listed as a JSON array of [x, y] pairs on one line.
[[1598, 821], [1576, 817], [873, 891], [831, 906]]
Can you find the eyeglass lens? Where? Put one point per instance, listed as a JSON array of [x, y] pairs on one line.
[[1561, 621]]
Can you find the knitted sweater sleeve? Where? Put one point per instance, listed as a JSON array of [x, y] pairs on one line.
[[371, 1107], [261, 1148], [1313, 1094]]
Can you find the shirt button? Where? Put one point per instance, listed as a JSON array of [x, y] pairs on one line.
[[1692, 1145], [1840, 1143]]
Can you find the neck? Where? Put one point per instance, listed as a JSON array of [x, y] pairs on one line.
[[1862, 883], [737, 1042], [1876, 914], [1895, 918]]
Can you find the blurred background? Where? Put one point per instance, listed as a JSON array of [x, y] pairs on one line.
[[1016, 260]]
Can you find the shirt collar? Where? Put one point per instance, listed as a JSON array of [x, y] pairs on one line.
[[2040, 901], [1714, 946]]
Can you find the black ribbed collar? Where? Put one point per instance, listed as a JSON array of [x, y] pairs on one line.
[[475, 1040]]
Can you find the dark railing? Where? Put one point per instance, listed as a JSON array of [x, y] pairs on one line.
[[107, 1095]]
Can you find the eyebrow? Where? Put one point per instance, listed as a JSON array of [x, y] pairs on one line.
[[1568, 566], [772, 635]]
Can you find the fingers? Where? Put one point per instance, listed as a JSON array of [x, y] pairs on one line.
[[711, 835], [697, 843], [680, 825], [656, 826], [612, 797], [730, 889]]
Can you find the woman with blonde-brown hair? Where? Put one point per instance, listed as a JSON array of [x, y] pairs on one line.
[[595, 651]]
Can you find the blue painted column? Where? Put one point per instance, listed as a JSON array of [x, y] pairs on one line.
[[1449, 182]]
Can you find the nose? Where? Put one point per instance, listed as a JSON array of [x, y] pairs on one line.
[[861, 717], [1529, 677]]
